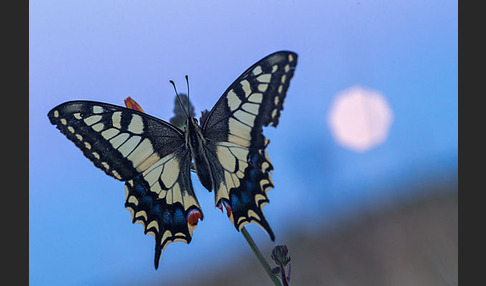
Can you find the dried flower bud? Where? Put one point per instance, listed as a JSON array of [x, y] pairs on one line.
[[279, 255]]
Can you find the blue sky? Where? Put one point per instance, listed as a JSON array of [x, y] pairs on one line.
[[80, 232]]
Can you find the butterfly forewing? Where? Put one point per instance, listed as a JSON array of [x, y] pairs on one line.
[[234, 126], [120, 141], [148, 154]]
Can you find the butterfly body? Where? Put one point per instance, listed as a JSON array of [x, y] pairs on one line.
[[154, 158], [197, 143]]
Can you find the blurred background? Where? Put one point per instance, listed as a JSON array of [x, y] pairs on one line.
[[365, 154]]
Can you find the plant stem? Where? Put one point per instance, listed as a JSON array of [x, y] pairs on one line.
[[284, 277], [260, 257]]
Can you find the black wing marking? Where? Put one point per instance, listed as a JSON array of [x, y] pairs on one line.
[[234, 126], [146, 152]]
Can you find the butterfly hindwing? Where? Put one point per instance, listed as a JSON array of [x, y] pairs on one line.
[[165, 203], [234, 126], [148, 154]]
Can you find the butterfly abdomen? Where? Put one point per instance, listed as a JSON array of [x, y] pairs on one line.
[[197, 144], [203, 171]]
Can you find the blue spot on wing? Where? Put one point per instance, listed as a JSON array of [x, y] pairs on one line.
[[252, 174], [147, 202], [235, 203], [139, 189], [167, 217], [255, 159], [245, 198], [156, 210], [179, 217]]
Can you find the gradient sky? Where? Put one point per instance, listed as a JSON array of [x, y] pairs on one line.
[[80, 232]]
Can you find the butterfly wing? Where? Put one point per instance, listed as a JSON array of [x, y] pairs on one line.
[[164, 202], [148, 154], [241, 166]]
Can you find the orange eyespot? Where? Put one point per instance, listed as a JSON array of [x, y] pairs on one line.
[[228, 210], [226, 206], [194, 217]]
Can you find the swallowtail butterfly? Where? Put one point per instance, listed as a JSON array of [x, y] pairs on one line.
[[154, 158]]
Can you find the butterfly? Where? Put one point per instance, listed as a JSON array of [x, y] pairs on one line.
[[154, 158]]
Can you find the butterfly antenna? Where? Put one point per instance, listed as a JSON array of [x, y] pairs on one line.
[[178, 97], [188, 101]]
